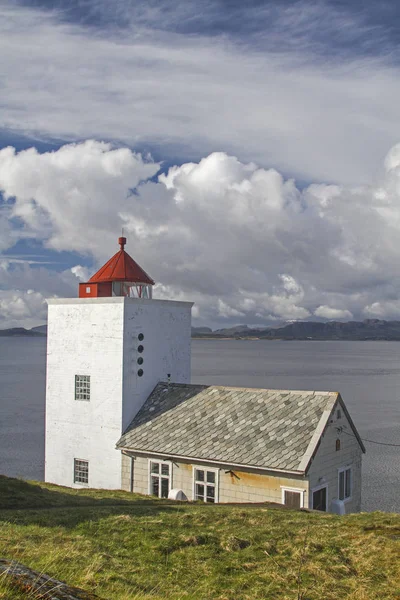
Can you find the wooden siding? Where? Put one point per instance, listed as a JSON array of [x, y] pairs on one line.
[[328, 461]]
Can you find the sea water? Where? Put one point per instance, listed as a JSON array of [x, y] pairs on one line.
[[367, 374]]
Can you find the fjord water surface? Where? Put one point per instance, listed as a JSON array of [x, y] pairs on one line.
[[366, 373]]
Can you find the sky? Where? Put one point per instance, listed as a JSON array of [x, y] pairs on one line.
[[250, 152]]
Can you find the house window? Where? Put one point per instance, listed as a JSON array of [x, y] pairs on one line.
[[339, 414], [82, 387], [160, 478], [81, 471], [345, 483], [337, 444], [88, 289], [292, 497], [205, 484]]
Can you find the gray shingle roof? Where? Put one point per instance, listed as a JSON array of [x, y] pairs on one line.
[[254, 427]]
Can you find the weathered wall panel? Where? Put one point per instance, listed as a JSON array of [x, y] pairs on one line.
[[234, 485], [85, 337]]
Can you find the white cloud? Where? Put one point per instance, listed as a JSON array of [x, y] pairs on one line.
[[242, 242], [385, 309], [82, 273], [327, 312], [24, 289], [224, 310], [273, 102], [17, 306], [53, 188]]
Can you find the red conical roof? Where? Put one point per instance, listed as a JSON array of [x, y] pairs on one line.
[[121, 267]]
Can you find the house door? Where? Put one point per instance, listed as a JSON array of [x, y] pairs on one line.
[[319, 499]]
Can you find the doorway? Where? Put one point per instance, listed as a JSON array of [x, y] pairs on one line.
[[319, 498]]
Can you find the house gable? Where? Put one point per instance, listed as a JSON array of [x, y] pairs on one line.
[[327, 418], [339, 449]]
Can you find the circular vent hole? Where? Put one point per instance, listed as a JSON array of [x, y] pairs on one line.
[[140, 337], [140, 348], [140, 360], [140, 372]]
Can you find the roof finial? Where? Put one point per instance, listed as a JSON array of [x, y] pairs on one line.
[[122, 241]]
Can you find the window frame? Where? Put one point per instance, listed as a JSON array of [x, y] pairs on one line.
[[216, 484], [81, 460], [82, 390], [300, 491], [340, 471], [150, 474]]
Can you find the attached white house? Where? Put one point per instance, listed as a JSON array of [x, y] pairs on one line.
[[121, 412], [223, 444]]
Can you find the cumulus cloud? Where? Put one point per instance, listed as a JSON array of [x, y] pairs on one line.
[[17, 306], [82, 273], [24, 289], [327, 312], [273, 100], [242, 242], [383, 309], [58, 194], [224, 310]]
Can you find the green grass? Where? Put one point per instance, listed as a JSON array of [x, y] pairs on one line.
[[8, 592], [122, 546]]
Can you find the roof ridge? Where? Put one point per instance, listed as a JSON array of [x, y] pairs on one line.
[[121, 254], [252, 389]]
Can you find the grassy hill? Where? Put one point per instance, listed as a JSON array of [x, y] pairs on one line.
[[121, 546]]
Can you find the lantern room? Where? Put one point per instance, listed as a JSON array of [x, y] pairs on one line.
[[120, 276]]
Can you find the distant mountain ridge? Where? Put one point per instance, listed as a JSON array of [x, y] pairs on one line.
[[21, 331], [370, 329], [40, 329]]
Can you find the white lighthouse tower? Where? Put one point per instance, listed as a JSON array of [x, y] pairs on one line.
[[106, 351]]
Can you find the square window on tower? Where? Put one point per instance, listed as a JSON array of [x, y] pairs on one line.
[[82, 387], [81, 471]]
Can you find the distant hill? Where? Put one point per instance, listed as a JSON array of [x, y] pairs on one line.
[[20, 331], [370, 329], [238, 330], [201, 330], [40, 329]]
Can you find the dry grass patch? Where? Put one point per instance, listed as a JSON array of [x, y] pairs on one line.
[[123, 546]]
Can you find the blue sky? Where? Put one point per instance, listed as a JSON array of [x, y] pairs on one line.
[[302, 90], [366, 24]]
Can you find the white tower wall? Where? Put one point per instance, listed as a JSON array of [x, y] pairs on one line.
[[99, 337], [166, 327]]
